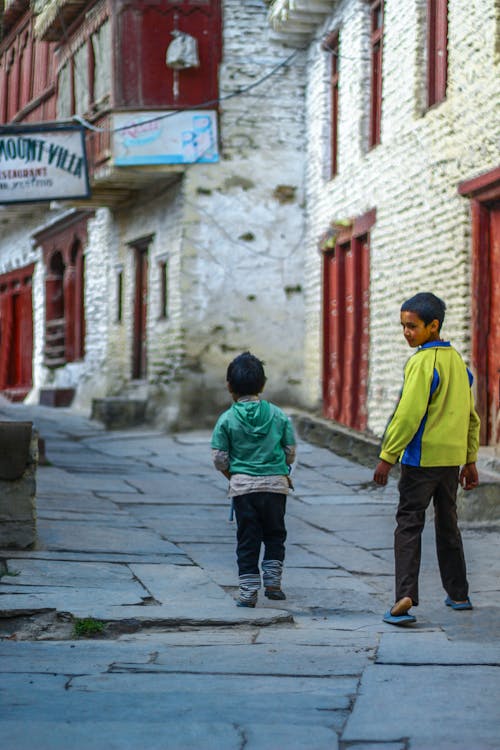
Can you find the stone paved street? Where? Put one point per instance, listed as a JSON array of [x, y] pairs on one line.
[[133, 532]]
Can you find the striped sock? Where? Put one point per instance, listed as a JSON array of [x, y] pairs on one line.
[[271, 572], [249, 586]]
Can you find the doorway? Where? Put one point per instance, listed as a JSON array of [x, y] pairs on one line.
[[346, 319], [139, 340], [484, 192], [16, 333]]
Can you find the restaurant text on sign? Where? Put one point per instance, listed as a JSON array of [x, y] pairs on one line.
[[42, 163]]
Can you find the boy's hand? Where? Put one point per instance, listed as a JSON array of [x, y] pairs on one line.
[[468, 476], [382, 472]]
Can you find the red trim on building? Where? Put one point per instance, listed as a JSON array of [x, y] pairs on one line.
[[376, 44], [346, 318], [16, 333], [484, 192], [437, 51], [63, 250]]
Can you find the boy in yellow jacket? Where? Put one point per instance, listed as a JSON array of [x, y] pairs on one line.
[[433, 432]]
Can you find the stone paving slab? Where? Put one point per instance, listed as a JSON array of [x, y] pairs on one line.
[[114, 735], [324, 579], [124, 558], [457, 706], [124, 499], [168, 583], [435, 648], [241, 695], [88, 503], [109, 518], [287, 661], [329, 500], [187, 523], [219, 559], [149, 594], [189, 614], [57, 481], [353, 559], [66, 657], [93, 537], [78, 602], [91, 575], [173, 487]]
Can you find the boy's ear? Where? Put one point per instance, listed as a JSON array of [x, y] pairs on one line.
[[434, 325]]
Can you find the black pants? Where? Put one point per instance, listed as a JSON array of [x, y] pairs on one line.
[[260, 517], [417, 486]]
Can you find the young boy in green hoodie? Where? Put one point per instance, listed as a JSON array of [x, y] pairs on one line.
[[253, 445], [433, 432]]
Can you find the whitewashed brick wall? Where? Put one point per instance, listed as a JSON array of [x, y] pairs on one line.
[[421, 240]]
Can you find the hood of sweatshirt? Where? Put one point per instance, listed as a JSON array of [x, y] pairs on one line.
[[254, 416]]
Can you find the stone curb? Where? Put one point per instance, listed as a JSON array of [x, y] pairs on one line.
[[480, 504], [133, 621], [357, 446]]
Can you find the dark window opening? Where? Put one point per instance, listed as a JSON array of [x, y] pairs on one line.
[[333, 44], [163, 268], [376, 38], [119, 297], [437, 51]]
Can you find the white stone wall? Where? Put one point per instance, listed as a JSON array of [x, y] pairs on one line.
[[421, 239], [161, 217], [242, 260]]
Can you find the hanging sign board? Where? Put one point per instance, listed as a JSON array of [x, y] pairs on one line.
[[176, 137], [42, 163]]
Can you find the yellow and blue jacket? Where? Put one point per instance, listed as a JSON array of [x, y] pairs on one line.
[[435, 422]]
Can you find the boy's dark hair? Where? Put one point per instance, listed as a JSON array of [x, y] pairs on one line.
[[427, 306], [245, 375]]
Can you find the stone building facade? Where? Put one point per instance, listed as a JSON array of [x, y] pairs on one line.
[[437, 139], [220, 244]]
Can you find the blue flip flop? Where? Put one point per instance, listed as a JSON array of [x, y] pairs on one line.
[[405, 619], [458, 605]]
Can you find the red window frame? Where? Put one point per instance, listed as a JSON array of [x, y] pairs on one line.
[[63, 250], [333, 47], [16, 332], [376, 40], [437, 51], [27, 78]]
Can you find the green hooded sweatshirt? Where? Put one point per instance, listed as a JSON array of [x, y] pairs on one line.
[[254, 434]]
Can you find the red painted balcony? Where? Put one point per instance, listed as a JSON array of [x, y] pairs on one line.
[[105, 62]]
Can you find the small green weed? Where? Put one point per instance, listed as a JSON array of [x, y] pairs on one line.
[[87, 627], [5, 572]]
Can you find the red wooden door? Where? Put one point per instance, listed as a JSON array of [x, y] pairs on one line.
[[345, 334], [493, 368], [139, 363], [15, 360], [16, 333], [484, 192], [333, 325]]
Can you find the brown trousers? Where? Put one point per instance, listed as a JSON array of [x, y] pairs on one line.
[[417, 486]]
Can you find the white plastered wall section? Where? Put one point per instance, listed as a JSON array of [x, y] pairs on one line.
[[242, 258], [421, 239], [161, 218]]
